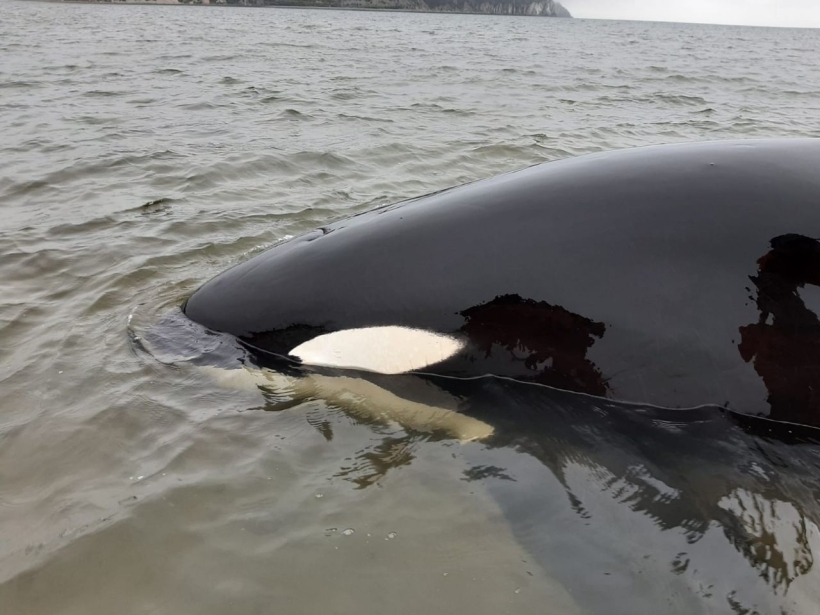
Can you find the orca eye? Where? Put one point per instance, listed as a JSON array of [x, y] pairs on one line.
[[384, 350]]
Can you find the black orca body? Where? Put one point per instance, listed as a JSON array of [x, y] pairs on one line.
[[676, 276]]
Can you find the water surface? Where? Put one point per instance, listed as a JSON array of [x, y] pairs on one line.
[[145, 149]]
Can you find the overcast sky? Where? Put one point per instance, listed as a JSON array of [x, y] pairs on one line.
[[804, 13]]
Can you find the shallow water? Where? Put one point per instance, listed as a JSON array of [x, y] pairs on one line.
[[145, 149]]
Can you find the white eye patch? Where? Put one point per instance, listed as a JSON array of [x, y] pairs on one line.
[[384, 350]]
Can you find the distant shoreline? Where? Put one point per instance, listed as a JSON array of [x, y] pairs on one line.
[[293, 6]]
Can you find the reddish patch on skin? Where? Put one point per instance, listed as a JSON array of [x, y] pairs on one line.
[[554, 340], [784, 344]]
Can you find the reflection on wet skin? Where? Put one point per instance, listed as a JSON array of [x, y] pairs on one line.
[[784, 344], [690, 471], [550, 341]]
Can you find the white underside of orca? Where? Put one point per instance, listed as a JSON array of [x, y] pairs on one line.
[[393, 350], [383, 350], [357, 396]]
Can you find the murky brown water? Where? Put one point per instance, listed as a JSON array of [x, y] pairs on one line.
[[145, 149]]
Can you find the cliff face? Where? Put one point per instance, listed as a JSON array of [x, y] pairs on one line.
[[544, 8]]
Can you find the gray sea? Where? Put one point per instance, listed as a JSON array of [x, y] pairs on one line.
[[144, 149]]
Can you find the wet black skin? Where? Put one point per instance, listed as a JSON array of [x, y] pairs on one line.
[[678, 276]]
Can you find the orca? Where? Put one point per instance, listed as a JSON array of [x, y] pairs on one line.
[[674, 276], [635, 329]]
